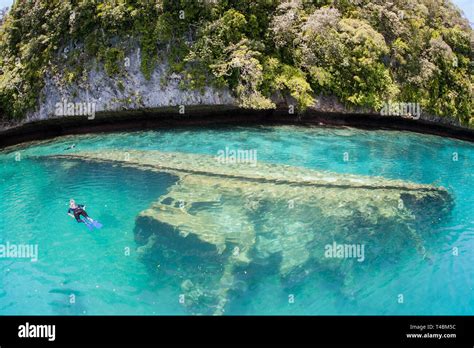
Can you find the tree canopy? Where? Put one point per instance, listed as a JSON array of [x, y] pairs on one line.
[[363, 52]]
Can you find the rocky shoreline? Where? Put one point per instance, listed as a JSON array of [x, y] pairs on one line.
[[216, 115]]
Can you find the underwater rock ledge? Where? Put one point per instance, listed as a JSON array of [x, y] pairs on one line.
[[221, 225]]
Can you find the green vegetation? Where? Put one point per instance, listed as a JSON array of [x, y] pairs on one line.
[[365, 54]]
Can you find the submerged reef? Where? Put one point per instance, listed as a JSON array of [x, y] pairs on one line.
[[222, 226]]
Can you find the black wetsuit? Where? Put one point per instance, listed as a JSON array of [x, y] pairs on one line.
[[78, 212]]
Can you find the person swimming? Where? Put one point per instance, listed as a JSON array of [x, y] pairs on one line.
[[70, 147], [77, 210]]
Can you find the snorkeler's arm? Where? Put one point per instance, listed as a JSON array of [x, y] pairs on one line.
[[69, 213]]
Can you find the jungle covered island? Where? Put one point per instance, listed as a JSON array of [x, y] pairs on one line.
[[249, 157], [133, 54]]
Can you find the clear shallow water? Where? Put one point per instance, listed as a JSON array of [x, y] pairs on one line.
[[95, 266]]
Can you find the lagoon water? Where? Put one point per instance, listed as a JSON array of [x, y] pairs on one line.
[[105, 278]]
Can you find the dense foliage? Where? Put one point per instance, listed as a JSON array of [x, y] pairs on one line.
[[364, 52]]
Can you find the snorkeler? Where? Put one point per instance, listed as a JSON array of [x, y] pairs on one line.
[[76, 211]]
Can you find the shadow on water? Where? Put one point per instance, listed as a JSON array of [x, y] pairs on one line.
[[67, 302]]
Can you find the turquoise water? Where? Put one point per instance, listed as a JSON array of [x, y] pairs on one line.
[[105, 279]]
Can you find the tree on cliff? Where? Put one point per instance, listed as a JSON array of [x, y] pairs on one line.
[[364, 52]]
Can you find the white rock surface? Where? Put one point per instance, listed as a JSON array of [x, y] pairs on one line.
[[103, 90]]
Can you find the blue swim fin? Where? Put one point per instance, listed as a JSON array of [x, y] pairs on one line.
[[96, 224], [88, 224], [92, 223]]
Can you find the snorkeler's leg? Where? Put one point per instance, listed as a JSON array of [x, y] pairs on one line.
[[77, 215], [83, 213]]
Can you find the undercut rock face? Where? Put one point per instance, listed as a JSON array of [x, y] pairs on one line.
[[221, 227]]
